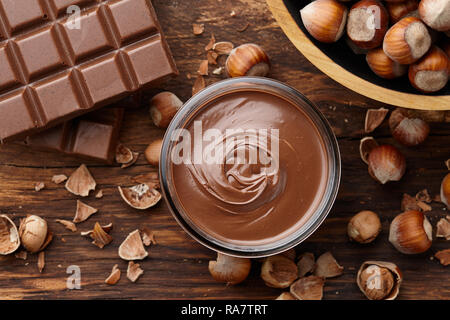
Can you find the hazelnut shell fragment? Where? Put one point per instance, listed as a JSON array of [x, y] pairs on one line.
[[445, 190], [366, 145], [140, 197], [41, 261], [411, 232], [101, 238], [59, 178], [114, 277], [305, 264], [308, 288], [228, 269], [286, 296], [375, 286], [364, 227], [327, 266], [123, 154], [9, 236], [443, 256], [279, 271], [374, 117], [81, 182], [443, 228], [132, 247], [69, 225], [83, 212], [134, 271]]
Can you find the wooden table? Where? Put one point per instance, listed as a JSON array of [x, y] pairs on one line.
[[177, 266]]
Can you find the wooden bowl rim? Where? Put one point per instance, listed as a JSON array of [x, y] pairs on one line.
[[346, 78]]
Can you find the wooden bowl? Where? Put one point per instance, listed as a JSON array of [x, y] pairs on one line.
[[351, 70]]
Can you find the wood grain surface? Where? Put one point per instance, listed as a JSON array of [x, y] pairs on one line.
[[177, 267]]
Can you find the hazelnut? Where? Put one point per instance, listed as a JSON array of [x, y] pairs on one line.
[[407, 130], [247, 60], [411, 232], [430, 73], [279, 271], [383, 66], [33, 233], [398, 10], [367, 23], [163, 108], [9, 236], [140, 197], [364, 227], [379, 280], [325, 19], [386, 164], [407, 40], [445, 190], [153, 152], [436, 14], [231, 270]]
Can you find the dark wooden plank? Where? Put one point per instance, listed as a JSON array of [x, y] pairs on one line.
[[177, 266]]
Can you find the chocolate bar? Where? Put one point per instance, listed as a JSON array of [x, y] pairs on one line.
[[57, 64], [93, 136]]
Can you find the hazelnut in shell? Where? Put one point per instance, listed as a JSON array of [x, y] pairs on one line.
[[386, 164], [436, 14], [379, 280], [430, 73], [364, 227], [445, 190], [325, 19], [398, 10], [247, 60], [383, 66], [9, 236], [228, 269], [33, 233], [279, 271], [163, 108], [407, 40], [153, 152], [367, 23], [411, 232], [408, 130]]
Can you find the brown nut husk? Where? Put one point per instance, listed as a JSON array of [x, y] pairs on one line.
[[308, 288], [107, 228], [327, 266], [381, 283], [411, 232], [228, 269], [134, 271], [364, 227], [101, 238], [41, 261], [279, 271], [305, 264], [140, 197], [132, 247], [69, 225], [59, 178], [9, 236], [114, 277], [443, 228], [33, 232], [83, 212], [81, 182]]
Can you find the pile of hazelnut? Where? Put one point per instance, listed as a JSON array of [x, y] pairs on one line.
[[397, 37]]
